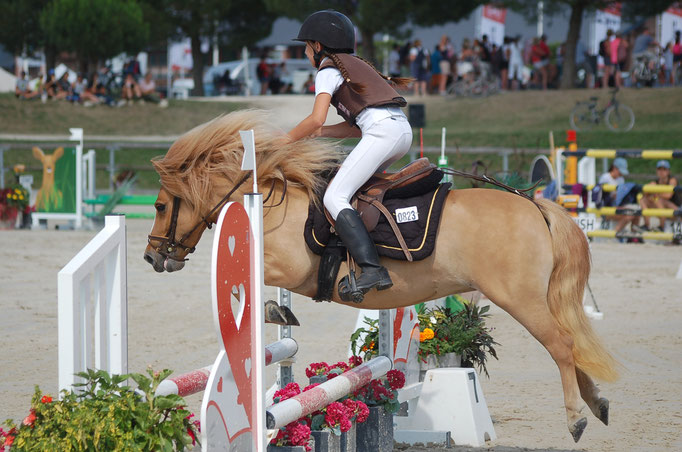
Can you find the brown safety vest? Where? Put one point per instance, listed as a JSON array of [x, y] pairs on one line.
[[378, 92]]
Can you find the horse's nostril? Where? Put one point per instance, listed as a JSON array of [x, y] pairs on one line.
[[149, 259]]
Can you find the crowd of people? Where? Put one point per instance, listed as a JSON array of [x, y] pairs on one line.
[[101, 87]]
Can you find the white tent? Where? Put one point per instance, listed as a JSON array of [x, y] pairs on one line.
[[7, 81]]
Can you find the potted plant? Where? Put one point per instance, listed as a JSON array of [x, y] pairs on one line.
[[381, 396], [105, 415], [445, 334], [13, 200]]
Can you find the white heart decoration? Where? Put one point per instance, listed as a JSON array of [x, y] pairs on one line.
[[231, 242], [247, 366]]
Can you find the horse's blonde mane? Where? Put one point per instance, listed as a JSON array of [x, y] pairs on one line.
[[213, 152]]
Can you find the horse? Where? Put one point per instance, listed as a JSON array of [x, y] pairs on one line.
[[528, 257]]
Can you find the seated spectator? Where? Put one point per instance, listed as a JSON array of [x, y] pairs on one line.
[[63, 88], [148, 89], [22, 90], [96, 88], [660, 200], [50, 85], [614, 176], [81, 93], [130, 90]]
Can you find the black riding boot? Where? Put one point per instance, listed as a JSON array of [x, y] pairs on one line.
[[354, 235]]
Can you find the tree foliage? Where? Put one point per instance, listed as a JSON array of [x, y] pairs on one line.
[[19, 25], [94, 29], [372, 17]]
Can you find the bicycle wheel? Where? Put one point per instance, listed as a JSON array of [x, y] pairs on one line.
[[619, 118], [581, 117]]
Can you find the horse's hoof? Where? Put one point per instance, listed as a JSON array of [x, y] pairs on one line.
[[578, 428], [273, 313], [602, 411], [289, 316]]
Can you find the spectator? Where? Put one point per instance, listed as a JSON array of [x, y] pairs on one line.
[[436, 75], [677, 55], [446, 63], [623, 51], [539, 56], [504, 62], [515, 63], [130, 90], [642, 48], [485, 49], [668, 62], [614, 45], [309, 85], [394, 61], [148, 91], [81, 93], [63, 87], [98, 90], [419, 60], [614, 176], [465, 64], [583, 61], [50, 85], [275, 83], [661, 200], [263, 74], [22, 90]]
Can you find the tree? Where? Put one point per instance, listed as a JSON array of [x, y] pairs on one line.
[[631, 9], [372, 17], [20, 30], [235, 22], [94, 30]]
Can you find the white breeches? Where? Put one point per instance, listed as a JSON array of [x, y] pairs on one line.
[[383, 143]]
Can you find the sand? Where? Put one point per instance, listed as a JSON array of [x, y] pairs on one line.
[[171, 327]]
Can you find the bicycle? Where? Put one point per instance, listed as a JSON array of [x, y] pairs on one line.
[[618, 116]]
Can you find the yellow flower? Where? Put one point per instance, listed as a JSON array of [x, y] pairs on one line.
[[21, 197], [17, 191], [428, 333], [14, 196]]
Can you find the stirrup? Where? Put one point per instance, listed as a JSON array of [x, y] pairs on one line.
[[350, 289]]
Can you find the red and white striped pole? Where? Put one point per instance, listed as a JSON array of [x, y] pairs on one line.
[[287, 411], [195, 381]]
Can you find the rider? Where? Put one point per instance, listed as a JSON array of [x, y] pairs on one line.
[[371, 109]]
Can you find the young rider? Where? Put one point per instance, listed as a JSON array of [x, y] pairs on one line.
[[371, 109]]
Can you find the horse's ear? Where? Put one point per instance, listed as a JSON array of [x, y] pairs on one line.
[[58, 153], [38, 153]]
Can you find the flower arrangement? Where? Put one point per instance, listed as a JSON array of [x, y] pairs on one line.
[[14, 198], [463, 332], [105, 415], [364, 342], [383, 391]]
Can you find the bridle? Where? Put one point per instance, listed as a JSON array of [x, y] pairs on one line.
[[167, 243]]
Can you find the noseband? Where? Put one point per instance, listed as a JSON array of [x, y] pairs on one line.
[[168, 245]]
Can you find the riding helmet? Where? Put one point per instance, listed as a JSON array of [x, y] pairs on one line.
[[330, 28]]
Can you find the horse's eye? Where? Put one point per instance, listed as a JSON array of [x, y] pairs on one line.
[[160, 208]]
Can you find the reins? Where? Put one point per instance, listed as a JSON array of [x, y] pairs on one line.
[[489, 180], [167, 243]]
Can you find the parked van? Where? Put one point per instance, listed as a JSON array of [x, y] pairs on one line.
[[215, 84]]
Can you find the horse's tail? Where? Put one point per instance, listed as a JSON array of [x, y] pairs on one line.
[[566, 289]]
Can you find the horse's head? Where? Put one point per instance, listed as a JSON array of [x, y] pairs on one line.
[[202, 171], [176, 231]]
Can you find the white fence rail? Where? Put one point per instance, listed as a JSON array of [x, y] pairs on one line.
[[92, 306]]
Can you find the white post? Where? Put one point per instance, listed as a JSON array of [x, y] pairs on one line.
[[541, 18], [102, 260], [247, 75], [77, 135]]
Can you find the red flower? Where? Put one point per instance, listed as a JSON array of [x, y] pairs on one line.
[[317, 369], [309, 387], [396, 379], [354, 361], [287, 392], [46, 399], [191, 435], [30, 419]]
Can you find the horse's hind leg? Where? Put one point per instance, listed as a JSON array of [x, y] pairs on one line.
[[590, 394], [532, 312]]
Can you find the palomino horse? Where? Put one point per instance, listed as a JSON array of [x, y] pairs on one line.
[[530, 259]]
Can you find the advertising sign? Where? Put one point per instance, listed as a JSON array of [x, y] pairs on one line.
[[492, 20]]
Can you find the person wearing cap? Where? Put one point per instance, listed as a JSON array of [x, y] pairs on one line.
[[660, 200], [371, 108], [614, 176]]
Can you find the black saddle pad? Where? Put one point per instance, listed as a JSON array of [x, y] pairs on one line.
[[417, 217]]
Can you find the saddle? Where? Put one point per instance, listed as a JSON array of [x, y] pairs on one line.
[[414, 179]]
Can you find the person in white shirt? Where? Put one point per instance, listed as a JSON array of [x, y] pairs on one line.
[[614, 176]]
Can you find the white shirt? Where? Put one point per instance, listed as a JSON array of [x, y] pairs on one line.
[[329, 81], [515, 55], [607, 178]]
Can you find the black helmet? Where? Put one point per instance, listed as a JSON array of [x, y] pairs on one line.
[[331, 29]]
